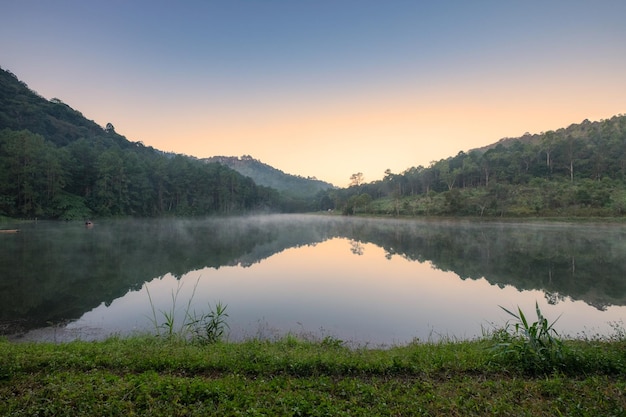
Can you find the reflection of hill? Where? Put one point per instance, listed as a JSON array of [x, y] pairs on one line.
[[584, 262], [53, 271], [58, 271]]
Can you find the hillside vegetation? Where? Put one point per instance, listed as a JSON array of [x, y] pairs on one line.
[[54, 163], [297, 192], [575, 171], [269, 176]]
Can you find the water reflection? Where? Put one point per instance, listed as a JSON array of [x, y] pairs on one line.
[[369, 281], [368, 298]]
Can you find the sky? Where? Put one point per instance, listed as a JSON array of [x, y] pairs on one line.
[[323, 88]]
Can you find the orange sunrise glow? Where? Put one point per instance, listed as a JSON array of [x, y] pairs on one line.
[[324, 90]]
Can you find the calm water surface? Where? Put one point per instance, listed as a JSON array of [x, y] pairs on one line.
[[376, 282]]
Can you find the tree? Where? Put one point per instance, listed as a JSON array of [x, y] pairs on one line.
[[363, 201], [356, 179], [445, 173], [571, 146], [111, 188], [30, 176], [548, 143]]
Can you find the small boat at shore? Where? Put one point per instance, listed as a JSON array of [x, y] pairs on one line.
[[9, 230]]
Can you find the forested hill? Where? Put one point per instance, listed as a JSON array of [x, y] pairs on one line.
[[22, 108], [264, 174], [55, 163], [579, 170]]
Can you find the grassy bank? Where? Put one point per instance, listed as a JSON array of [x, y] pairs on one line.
[[292, 377]]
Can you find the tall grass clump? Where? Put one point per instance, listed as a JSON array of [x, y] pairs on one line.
[[202, 328], [535, 347], [208, 328], [167, 328]]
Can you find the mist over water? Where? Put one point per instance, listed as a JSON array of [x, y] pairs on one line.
[[367, 281]]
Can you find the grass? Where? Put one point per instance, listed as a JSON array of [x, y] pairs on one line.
[[158, 376], [208, 328], [203, 328], [536, 346], [522, 369]]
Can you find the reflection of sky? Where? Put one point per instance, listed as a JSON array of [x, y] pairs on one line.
[[327, 290]]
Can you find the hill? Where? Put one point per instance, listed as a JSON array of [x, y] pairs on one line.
[[583, 130], [22, 108], [266, 175], [55, 163], [579, 170]]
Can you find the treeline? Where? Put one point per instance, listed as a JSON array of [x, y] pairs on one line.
[[577, 171], [263, 174], [54, 163], [96, 177]]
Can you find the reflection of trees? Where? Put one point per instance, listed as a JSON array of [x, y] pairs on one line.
[[582, 262], [553, 297], [114, 257], [356, 247]]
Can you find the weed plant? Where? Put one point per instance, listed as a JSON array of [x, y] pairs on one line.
[[203, 328], [536, 346], [208, 328]]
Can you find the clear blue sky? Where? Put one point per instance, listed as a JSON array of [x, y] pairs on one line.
[[323, 88]]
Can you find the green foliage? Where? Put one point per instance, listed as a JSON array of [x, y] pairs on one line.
[[208, 328], [169, 315], [535, 346], [160, 377], [202, 328], [71, 207], [56, 164], [48, 151], [296, 187], [575, 171]]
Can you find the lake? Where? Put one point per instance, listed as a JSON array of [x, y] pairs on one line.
[[375, 282]]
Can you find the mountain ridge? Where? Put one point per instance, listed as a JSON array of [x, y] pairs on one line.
[[55, 163], [264, 174], [59, 123]]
